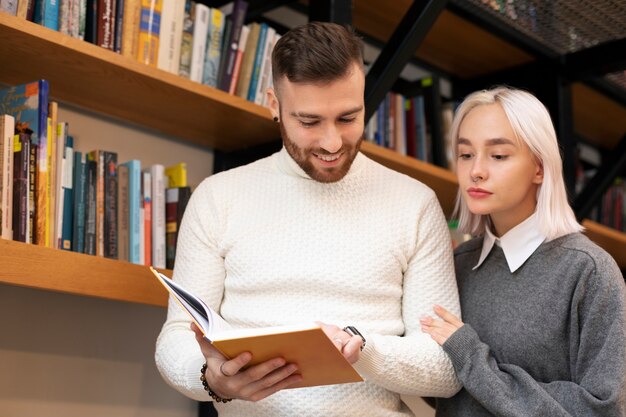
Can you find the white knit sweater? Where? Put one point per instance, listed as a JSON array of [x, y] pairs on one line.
[[266, 245]]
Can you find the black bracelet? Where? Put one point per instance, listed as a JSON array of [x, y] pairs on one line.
[[208, 389]]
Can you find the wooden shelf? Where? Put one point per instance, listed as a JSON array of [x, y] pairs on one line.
[[453, 44], [100, 80], [442, 181], [613, 241], [597, 118], [74, 273]]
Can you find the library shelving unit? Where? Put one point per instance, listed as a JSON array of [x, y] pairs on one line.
[[105, 82], [85, 75], [464, 48]]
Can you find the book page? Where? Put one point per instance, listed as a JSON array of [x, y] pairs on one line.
[[204, 316]]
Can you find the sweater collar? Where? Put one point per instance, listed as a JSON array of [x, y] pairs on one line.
[[518, 244], [287, 165]]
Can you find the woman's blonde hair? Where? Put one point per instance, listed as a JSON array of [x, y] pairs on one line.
[[533, 127]]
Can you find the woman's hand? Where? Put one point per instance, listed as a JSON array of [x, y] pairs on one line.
[[229, 379], [441, 330]]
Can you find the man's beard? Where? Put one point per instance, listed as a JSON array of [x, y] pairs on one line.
[[303, 156]]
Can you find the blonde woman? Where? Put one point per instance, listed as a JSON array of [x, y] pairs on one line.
[[544, 322]]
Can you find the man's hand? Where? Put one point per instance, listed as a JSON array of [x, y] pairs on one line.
[[227, 379], [349, 346], [441, 330]]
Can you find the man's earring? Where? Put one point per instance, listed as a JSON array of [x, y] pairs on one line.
[[276, 119]]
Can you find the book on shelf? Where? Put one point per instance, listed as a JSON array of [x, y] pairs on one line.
[[130, 28], [28, 103], [47, 13], [318, 359], [240, 8], [7, 132], [213, 53], [22, 201], [186, 46], [80, 192], [157, 173], [200, 32], [176, 200], [9, 6], [177, 175], [149, 30], [170, 36]]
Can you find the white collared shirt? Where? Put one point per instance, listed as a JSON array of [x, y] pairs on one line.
[[517, 244]]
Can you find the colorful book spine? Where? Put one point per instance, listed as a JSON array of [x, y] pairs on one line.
[[245, 32], [80, 188], [118, 32], [91, 197], [149, 30], [145, 234], [176, 175], [200, 31], [28, 103], [258, 62], [7, 132], [186, 47], [47, 13], [170, 38], [240, 8], [67, 206], [106, 24], [158, 215], [20, 221], [134, 218], [213, 48], [9, 6], [130, 28], [110, 205], [122, 212]]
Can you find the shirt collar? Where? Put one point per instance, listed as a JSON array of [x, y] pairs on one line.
[[517, 244]]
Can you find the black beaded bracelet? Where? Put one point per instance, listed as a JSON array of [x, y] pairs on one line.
[[208, 389]]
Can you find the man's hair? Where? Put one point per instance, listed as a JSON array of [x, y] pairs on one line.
[[533, 127], [317, 52]]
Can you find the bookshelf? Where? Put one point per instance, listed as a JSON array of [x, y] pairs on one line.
[[74, 273], [88, 76]]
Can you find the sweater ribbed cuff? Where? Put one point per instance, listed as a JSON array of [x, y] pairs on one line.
[[370, 360], [461, 345]]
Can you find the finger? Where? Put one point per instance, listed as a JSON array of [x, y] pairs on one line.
[[271, 379], [233, 366], [258, 372], [447, 316], [352, 350], [285, 383]]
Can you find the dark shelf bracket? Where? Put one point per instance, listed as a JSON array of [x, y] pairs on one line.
[[596, 61], [611, 167], [335, 11], [402, 45]]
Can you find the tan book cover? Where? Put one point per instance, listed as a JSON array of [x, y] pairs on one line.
[[318, 359]]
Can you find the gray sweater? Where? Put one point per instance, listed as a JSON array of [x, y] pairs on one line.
[[547, 340]]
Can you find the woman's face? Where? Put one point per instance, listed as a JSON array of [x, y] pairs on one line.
[[498, 176]]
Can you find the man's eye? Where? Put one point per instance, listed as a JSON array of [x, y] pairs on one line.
[[465, 156], [350, 120], [308, 124]]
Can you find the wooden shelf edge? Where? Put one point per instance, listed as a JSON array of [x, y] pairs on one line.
[[611, 240], [109, 83], [441, 180], [69, 272]]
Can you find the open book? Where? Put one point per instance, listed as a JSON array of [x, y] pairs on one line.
[[318, 359]]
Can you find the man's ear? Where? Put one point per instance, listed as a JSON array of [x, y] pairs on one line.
[[272, 101]]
